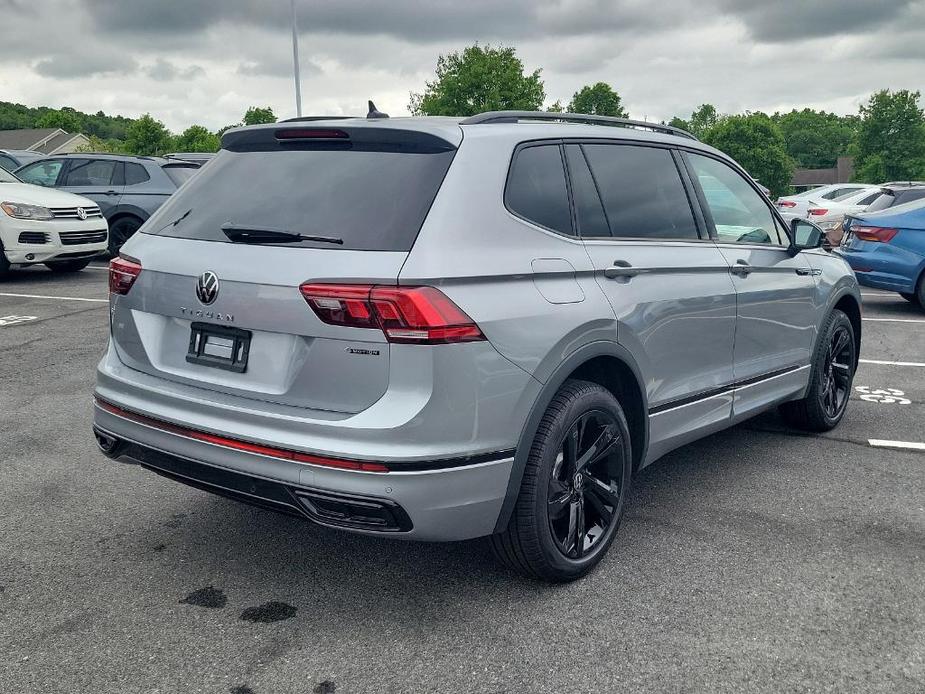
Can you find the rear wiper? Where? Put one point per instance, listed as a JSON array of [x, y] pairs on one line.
[[251, 234]]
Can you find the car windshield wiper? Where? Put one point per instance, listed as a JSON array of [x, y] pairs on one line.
[[174, 222], [251, 234]]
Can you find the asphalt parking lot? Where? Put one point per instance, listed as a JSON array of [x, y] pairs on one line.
[[757, 559]]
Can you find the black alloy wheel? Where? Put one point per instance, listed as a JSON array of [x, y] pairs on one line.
[[584, 496]]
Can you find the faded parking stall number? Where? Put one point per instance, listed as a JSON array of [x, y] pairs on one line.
[[13, 320], [886, 396]]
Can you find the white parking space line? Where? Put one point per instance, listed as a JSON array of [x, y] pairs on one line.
[[908, 445], [896, 320], [61, 298], [891, 363]]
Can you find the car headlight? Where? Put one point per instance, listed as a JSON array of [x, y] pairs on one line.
[[21, 210]]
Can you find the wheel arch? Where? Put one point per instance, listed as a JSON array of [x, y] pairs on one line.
[[611, 366]]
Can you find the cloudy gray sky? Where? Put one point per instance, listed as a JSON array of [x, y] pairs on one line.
[[206, 61]]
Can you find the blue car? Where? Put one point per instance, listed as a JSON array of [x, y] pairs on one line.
[[886, 249]]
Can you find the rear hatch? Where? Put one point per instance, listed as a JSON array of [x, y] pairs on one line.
[[217, 302]]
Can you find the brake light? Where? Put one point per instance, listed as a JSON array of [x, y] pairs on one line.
[[876, 234], [413, 315], [818, 211], [122, 275], [786, 203], [311, 134]]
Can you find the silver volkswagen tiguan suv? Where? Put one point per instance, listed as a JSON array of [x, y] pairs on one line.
[[441, 329]]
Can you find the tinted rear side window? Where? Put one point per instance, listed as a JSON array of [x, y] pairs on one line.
[[536, 188], [642, 192], [135, 174], [373, 200]]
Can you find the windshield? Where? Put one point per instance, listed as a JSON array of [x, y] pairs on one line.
[[372, 200], [7, 177]]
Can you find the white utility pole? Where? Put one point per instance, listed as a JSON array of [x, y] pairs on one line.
[[295, 62]]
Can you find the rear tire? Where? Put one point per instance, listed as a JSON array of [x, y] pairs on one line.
[[121, 231], [920, 291], [63, 266], [911, 298], [574, 487], [830, 379]]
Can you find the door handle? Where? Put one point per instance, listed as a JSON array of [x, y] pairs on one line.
[[741, 268], [621, 268], [111, 192], [808, 271]]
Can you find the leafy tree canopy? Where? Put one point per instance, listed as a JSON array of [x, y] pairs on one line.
[[479, 79], [197, 138], [756, 142], [891, 138], [815, 139], [256, 115], [148, 136], [598, 100]]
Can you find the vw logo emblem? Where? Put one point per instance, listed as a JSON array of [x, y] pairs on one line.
[[81, 213], [207, 287], [578, 482]]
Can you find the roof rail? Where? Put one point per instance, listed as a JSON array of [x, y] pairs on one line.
[[517, 116]]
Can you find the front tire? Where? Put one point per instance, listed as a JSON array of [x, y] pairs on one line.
[[64, 266], [830, 379], [574, 487], [4, 264], [121, 231]]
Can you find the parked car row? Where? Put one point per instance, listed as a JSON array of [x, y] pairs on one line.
[[828, 206], [886, 247], [100, 202], [128, 189]]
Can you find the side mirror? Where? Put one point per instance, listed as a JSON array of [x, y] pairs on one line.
[[805, 235]]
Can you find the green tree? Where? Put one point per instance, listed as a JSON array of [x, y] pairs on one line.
[[256, 115], [65, 118], [677, 122], [891, 138], [479, 79], [702, 120], [757, 143], [555, 107], [598, 100], [98, 144], [815, 139], [197, 138], [148, 136]]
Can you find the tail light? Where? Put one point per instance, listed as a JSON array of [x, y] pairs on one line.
[[122, 275], [786, 203], [877, 234], [413, 315], [818, 211]]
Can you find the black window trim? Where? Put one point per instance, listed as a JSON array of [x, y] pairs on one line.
[[699, 223], [705, 208]]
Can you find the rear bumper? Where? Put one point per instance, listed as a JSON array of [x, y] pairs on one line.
[[446, 503], [883, 266]]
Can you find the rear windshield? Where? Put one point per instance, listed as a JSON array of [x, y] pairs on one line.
[[372, 200]]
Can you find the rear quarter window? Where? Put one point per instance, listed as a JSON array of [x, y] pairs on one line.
[[536, 189]]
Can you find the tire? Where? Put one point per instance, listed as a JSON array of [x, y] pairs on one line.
[[63, 266], [120, 231], [4, 264], [911, 298], [830, 380], [584, 422], [920, 291]]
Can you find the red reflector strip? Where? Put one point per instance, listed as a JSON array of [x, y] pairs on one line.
[[238, 445]]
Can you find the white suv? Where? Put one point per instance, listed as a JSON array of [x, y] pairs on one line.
[[39, 225]]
